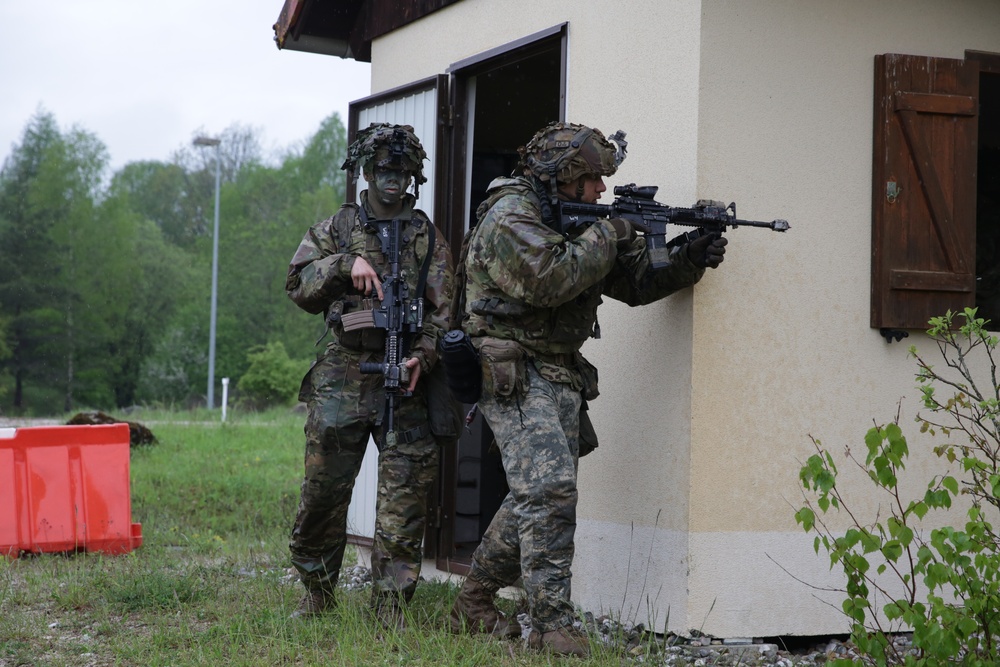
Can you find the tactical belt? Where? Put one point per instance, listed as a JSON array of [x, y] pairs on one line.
[[413, 434], [564, 359]]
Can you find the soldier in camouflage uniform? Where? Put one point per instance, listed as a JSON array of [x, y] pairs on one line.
[[336, 271], [530, 303]]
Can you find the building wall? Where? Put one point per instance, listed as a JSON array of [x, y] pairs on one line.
[[782, 345], [709, 398]]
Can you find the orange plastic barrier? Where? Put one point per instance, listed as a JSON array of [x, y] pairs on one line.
[[66, 488]]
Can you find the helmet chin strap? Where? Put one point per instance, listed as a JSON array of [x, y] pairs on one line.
[[553, 184]]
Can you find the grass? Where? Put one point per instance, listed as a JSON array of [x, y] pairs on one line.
[[211, 584]]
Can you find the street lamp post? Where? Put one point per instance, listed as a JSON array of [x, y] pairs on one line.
[[208, 141]]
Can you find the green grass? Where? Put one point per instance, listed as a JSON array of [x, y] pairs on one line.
[[211, 584]]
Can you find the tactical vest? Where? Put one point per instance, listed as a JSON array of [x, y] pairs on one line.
[[549, 334], [353, 238]]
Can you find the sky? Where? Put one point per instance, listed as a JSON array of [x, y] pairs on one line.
[[147, 76]]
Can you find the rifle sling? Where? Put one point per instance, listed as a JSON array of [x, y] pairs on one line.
[[426, 266]]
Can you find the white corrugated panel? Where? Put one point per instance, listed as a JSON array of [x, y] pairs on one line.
[[419, 111], [361, 513]]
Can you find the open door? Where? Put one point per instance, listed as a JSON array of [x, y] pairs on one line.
[[500, 99]]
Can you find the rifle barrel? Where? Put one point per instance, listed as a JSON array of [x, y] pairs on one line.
[[776, 225]]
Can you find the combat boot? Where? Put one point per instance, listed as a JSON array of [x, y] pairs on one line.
[[314, 602], [388, 612], [475, 611], [566, 640]]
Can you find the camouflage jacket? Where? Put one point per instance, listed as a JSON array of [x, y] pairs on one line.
[[319, 276], [528, 283]]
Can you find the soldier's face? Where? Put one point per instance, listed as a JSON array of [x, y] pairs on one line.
[[388, 185], [593, 186]]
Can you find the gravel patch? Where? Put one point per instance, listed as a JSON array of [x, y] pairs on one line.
[[642, 647]]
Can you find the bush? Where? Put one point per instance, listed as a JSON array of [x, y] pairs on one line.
[[958, 620], [272, 378]]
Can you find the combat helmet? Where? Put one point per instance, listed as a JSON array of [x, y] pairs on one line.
[[387, 145], [563, 152]]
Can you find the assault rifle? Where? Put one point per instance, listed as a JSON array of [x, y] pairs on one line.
[[636, 204], [401, 316]]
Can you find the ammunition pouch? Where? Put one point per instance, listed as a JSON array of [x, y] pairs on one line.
[[588, 373], [505, 372], [353, 322]]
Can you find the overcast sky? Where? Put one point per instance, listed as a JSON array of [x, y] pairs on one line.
[[145, 75]]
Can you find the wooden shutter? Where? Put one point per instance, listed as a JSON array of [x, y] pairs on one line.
[[924, 189]]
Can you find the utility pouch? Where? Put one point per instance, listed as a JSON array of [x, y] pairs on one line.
[[504, 370], [588, 436], [588, 372], [306, 386]]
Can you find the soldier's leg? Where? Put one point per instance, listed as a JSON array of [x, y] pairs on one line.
[[537, 436], [496, 563], [337, 432], [406, 473], [497, 559]]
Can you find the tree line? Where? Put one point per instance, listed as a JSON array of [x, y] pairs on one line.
[[105, 278]]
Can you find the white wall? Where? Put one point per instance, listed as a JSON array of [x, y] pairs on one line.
[[710, 397]]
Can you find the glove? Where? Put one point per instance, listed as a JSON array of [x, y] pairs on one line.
[[706, 252], [624, 231]]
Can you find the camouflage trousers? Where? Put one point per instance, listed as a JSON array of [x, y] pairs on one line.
[[532, 533], [344, 406]]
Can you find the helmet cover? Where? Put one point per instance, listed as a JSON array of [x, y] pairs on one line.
[[386, 145], [568, 151]]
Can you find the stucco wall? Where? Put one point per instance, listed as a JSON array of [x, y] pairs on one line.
[[782, 344], [709, 397], [634, 488]]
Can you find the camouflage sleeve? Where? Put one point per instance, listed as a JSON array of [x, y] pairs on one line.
[[317, 274], [534, 264], [635, 283], [437, 303]]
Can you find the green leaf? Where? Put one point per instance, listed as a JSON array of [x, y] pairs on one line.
[[892, 550], [806, 517], [951, 484]]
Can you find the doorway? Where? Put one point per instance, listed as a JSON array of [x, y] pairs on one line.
[[500, 99]]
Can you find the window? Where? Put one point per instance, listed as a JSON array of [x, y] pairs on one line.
[[935, 227]]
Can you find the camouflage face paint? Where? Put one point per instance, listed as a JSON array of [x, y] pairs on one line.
[[388, 185]]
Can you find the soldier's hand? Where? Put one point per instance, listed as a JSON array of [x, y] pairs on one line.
[[414, 365], [625, 231], [365, 279], [707, 251]]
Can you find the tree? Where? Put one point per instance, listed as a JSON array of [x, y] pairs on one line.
[[104, 287], [159, 191], [264, 214], [31, 288]]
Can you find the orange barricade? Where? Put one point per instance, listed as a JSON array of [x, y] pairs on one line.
[[66, 488]]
